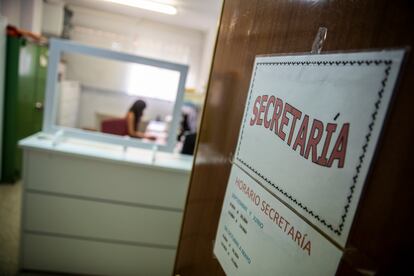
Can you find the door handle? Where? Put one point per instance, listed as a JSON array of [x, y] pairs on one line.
[[39, 106]]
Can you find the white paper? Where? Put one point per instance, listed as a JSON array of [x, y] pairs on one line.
[[348, 92], [252, 241]]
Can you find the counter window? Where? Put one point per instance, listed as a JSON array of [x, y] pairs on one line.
[[113, 97]]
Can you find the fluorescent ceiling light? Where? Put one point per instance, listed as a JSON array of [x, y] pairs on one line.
[[147, 5]]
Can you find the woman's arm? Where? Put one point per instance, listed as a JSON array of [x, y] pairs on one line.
[[130, 123], [131, 130]]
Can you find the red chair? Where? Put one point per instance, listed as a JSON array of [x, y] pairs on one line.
[[117, 126]]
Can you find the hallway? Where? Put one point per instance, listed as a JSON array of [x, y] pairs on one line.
[[10, 202]]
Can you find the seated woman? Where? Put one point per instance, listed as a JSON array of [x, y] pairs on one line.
[[133, 118]]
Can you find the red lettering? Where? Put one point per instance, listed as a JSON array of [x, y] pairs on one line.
[[276, 219], [314, 141], [291, 232], [276, 115], [281, 220], [263, 206], [283, 122], [255, 110], [261, 110], [339, 150], [296, 116], [301, 136], [286, 225], [284, 126], [267, 122], [330, 129], [307, 248], [257, 200], [267, 209], [298, 236], [270, 213]]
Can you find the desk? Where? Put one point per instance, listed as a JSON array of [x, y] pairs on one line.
[[159, 130], [90, 208]]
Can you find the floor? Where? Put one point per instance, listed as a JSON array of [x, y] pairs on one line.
[[10, 204]]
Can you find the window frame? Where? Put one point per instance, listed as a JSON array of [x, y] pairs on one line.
[[59, 46]]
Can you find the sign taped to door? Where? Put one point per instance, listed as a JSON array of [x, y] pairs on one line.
[[257, 235], [310, 129], [309, 132]]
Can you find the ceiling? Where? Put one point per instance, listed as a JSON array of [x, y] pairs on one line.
[[201, 15]]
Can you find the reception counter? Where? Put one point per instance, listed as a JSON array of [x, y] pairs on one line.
[[93, 208]]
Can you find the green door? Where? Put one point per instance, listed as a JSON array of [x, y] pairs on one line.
[[24, 96], [11, 110]]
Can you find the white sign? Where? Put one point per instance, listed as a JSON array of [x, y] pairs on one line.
[[310, 129], [257, 235]]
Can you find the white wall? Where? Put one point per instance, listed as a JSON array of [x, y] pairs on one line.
[[11, 10], [53, 16], [207, 58], [31, 15], [173, 44], [25, 14], [132, 35], [140, 37], [97, 72]]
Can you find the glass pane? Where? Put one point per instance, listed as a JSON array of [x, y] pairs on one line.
[[116, 97]]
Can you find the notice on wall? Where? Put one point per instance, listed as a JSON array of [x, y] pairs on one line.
[[258, 235], [307, 140]]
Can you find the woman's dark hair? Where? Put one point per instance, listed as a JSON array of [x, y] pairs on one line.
[[137, 108]]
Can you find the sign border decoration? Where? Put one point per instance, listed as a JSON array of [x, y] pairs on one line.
[[370, 62]]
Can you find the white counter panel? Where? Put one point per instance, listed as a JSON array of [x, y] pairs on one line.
[[73, 175], [92, 208], [95, 258], [84, 218]]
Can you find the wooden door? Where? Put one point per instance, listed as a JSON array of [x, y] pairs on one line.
[[380, 237]]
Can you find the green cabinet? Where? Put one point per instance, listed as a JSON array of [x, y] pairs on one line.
[[25, 83]]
